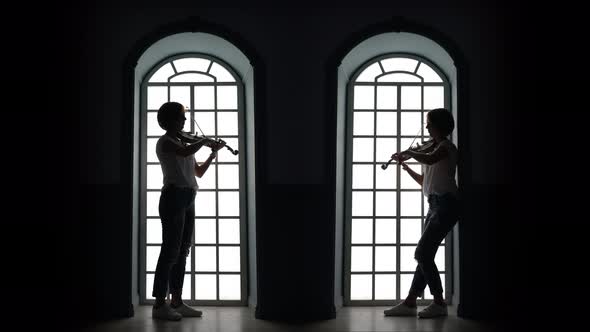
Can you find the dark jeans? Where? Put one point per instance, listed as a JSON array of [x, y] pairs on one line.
[[177, 213], [443, 212]]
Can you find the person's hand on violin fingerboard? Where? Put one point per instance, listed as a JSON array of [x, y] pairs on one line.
[[217, 146]]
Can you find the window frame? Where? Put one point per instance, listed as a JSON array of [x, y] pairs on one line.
[[448, 242], [242, 190]]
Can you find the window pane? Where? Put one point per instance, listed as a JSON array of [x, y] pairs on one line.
[[368, 75], [385, 203], [399, 64], [411, 123], [405, 283], [225, 155], [229, 231], [428, 296], [151, 258], [362, 231], [155, 179], [227, 98], [411, 230], [208, 179], [153, 231], [229, 176], [152, 201], [386, 178], [407, 261], [361, 259], [362, 176], [407, 182], [364, 123], [205, 259], [434, 97], [153, 128], [229, 259], [386, 123], [385, 287], [364, 97], [149, 285], [385, 231], [205, 204], [362, 149], [229, 287], [362, 203], [205, 231], [227, 123], [385, 259], [361, 287], [182, 95], [385, 148], [229, 203], [411, 98], [399, 77], [204, 98], [439, 259], [206, 122], [161, 76], [192, 77], [205, 287], [191, 64], [411, 204], [156, 96], [428, 73], [387, 97], [186, 287], [222, 74]]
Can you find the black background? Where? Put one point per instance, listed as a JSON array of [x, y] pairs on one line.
[[66, 135]]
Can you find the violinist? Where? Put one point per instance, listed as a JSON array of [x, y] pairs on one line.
[[438, 157], [177, 210]]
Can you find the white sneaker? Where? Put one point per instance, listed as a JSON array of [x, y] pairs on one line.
[[401, 310], [165, 312], [187, 311], [433, 310]]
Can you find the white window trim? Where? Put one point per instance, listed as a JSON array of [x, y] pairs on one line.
[[198, 42], [391, 42]]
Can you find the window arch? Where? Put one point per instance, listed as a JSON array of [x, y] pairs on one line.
[[388, 97], [213, 93]]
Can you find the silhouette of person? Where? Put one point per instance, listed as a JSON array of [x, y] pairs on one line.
[[177, 210], [439, 160]]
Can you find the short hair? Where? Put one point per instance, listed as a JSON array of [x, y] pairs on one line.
[[442, 119], [169, 112]]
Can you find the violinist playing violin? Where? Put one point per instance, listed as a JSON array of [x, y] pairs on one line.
[[438, 157], [176, 209]]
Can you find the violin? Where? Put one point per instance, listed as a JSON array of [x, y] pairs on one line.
[[423, 148], [209, 142]]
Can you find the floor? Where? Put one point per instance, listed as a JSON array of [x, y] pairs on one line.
[[237, 319]]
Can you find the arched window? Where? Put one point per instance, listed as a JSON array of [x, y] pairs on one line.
[[386, 84], [213, 93]]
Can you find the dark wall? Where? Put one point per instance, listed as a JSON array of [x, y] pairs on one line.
[[295, 52]]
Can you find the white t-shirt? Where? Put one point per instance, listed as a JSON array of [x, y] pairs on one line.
[[177, 170], [439, 178]]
